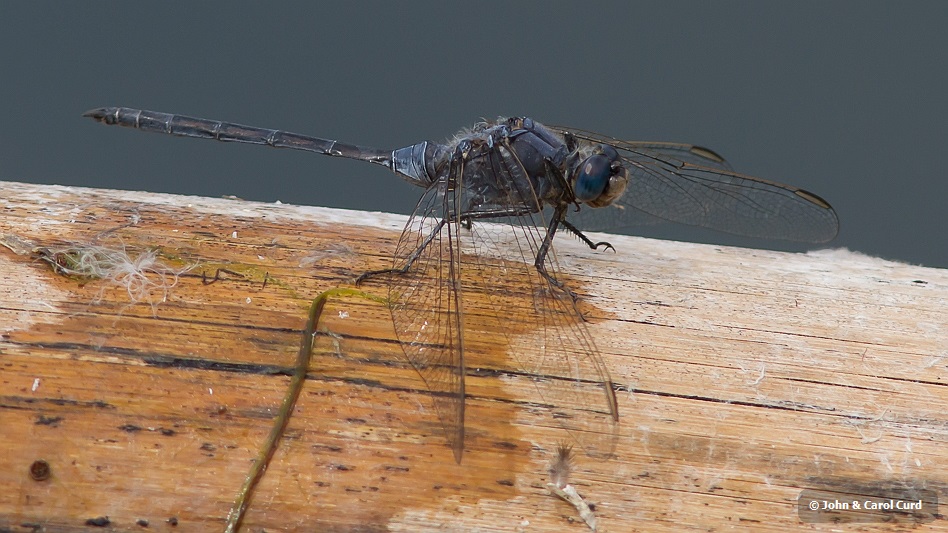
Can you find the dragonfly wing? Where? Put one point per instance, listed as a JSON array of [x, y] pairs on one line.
[[547, 339], [727, 201], [672, 153], [426, 308], [537, 322], [693, 185]]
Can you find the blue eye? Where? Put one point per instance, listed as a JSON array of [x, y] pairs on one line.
[[592, 177]]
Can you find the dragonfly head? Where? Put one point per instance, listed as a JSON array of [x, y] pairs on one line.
[[600, 178]]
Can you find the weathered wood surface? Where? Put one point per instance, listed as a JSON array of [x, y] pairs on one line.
[[744, 377]]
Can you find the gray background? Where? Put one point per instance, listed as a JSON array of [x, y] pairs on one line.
[[846, 99]]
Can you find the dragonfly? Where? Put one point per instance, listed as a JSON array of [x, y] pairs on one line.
[[495, 195]]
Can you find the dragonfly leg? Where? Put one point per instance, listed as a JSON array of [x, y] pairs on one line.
[[594, 245], [540, 263], [457, 165], [553, 170], [411, 259]]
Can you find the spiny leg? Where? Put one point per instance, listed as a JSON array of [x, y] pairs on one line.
[[544, 250], [554, 171], [411, 258], [576, 231], [456, 166]]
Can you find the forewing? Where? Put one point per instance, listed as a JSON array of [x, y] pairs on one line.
[[671, 153], [693, 185], [551, 346], [546, 337], [727, 201], [426, 308]]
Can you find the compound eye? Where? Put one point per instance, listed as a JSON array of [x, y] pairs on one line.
[[592, 178]]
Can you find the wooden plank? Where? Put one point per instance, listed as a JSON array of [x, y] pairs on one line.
[[744, 377]]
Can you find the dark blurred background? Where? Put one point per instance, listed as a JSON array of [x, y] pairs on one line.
[[846, 99]]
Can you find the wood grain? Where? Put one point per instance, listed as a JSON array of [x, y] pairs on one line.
[[744, 377]]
